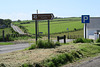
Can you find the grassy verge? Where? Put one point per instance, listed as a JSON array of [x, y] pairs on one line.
[[50, 57], [6, 43], [86, 50], [83, 51], [43, 44]]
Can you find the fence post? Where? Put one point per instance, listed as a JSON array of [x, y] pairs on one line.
[[64, 38], [7, 37], [58, 38], [3, 33]]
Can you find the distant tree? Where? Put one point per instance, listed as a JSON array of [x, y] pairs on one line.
[[19, 20], [5, 22], [1, 21]]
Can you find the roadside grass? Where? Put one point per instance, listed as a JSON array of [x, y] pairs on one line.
[[83, 51], [98, 40], [51, 57], [89, 50], [43, 44], [82, 40], [6, 43], [55, 56]]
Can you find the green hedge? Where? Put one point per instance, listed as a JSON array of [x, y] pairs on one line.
[[43, 44], [82, 40], [98, 40]]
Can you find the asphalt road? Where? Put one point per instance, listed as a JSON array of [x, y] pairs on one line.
[[62, 41], [11, 48], [17, 29], [15, 47], [91, 63]]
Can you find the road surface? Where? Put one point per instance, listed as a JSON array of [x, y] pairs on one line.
[[17, 29], [91, 63], [11, 48], [62, 40]]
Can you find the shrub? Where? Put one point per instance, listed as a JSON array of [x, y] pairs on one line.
[[6, 38], [33, 46], [2, 65], [88, 40], [50, 64], [62, 59], [82, 40], [45, 44], [40, 44], [57, 43], [69, 57], [98, 40], [78, 40], [26, 65], [50, 44]]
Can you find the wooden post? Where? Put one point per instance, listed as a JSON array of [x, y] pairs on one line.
[[3, 34], [64, 38], [48, 31], [58, 38], [85, 30], [36, 30]]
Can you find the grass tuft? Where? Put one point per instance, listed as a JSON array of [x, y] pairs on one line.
[[82, 40], [98, 40], [43, 44], [62, 59]]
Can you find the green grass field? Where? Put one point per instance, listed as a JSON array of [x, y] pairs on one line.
[[7, 31], [72, 34], [6, 43], [56, 25]]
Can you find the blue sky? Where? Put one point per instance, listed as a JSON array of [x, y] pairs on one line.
[[23, 9]]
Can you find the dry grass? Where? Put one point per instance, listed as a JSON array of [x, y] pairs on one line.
[[15, 59]]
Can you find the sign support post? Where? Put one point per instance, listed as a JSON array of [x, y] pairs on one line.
[[48, 31], [85, 30], [36, 30], [3, 35], [37, 17], [37, 26], [85, 19]]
